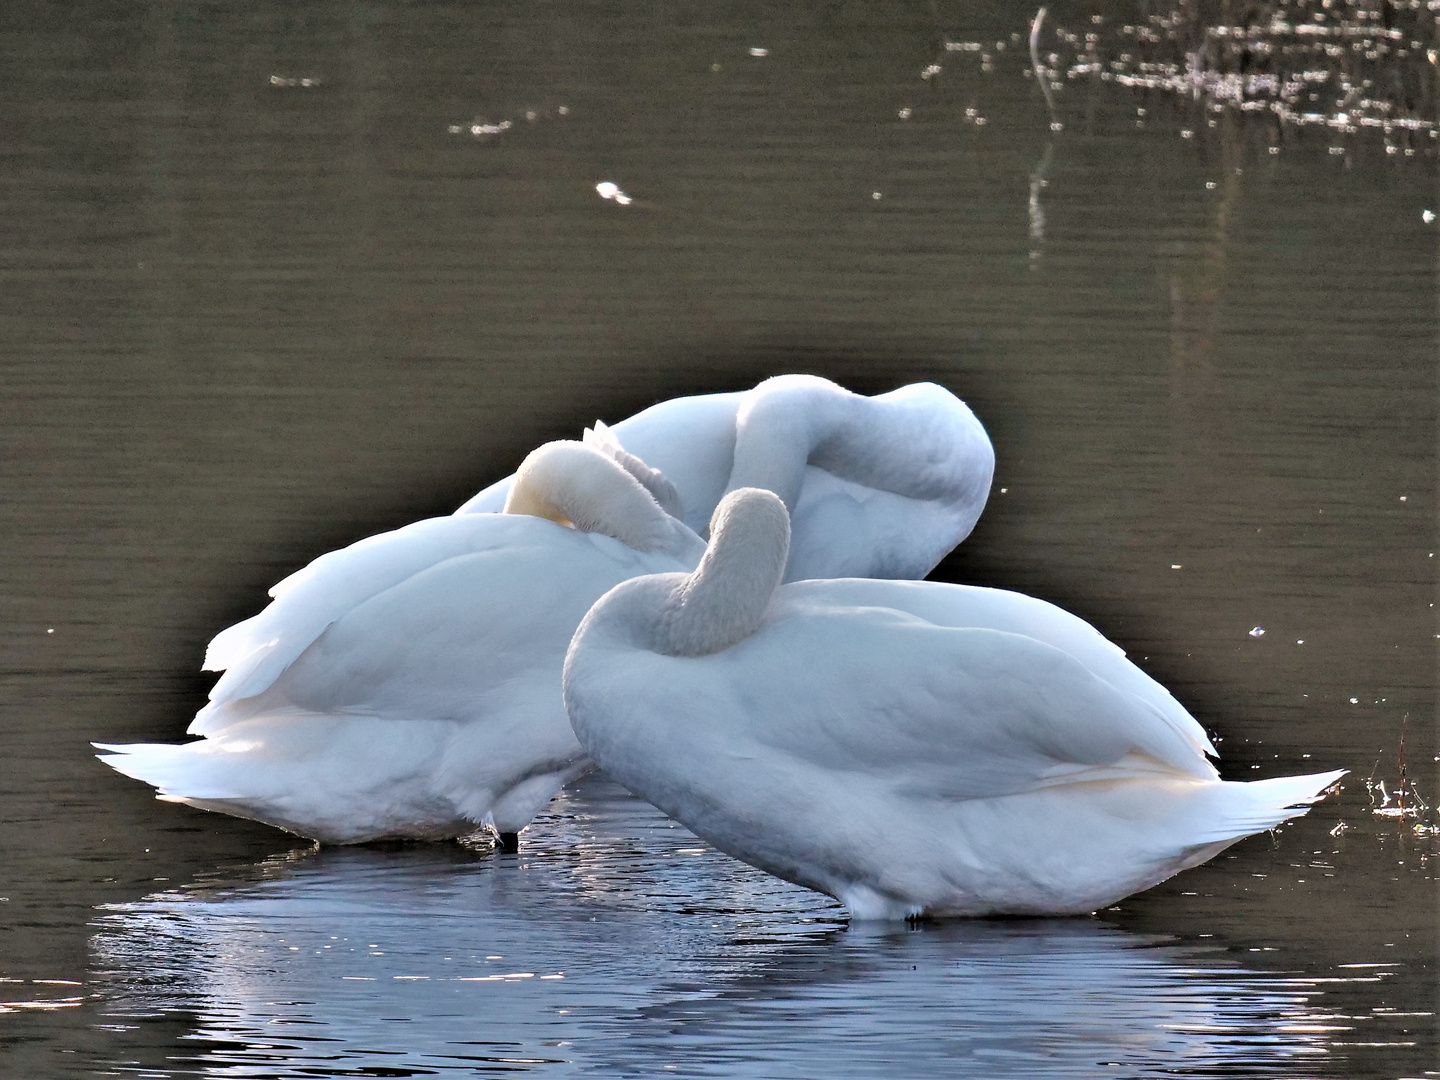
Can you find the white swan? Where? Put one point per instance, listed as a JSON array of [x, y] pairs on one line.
[[879, 486], [409, 685], [906, 747]]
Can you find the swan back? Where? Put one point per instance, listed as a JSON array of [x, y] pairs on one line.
[[1009, 760], [564, 482]]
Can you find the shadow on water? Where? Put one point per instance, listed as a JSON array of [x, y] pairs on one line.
[[617, 943]]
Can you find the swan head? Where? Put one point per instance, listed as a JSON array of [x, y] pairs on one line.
[[920, 441], [584, 488]]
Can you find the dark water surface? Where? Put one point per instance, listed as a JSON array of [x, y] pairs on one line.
[[267, 285]]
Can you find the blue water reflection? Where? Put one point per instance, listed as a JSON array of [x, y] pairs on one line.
[[616, 943]]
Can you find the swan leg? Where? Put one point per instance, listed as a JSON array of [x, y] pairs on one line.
[[509, 843]]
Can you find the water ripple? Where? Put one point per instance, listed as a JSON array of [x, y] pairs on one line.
[[616, 943]]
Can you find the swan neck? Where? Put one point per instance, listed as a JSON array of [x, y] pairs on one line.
[[920, 441], [580, 487], [724, 601], [601, 438], [779, 425]]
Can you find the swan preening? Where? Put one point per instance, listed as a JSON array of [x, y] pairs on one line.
[[409, 685], [880, 486], [907, 747]]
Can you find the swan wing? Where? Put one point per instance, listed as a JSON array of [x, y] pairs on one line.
[[944, 604], [254, 652], [475, 634], [956, 712], [827, 689], [842, 528]]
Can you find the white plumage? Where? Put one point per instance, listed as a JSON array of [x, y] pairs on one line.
[[906, 747], [880, 486], [409, 685]]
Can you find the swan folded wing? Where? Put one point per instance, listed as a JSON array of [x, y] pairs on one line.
[[440, 643], [254, 652], [998, 609], [957, 713], [479, 634]]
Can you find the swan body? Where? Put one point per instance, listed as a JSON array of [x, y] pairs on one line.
[[880, 486], [409, 685], [906, 747]]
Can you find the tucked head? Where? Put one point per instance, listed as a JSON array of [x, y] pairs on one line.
[[587, 489]]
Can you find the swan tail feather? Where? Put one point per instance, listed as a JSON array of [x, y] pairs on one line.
[[181, 772], [1245, 808], [337, 780]]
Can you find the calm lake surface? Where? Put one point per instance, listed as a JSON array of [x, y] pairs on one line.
[[276, 277]]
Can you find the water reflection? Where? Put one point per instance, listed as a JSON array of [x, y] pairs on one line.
[[616, 942]]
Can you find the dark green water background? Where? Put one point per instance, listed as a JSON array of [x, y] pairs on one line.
[[245, 320]]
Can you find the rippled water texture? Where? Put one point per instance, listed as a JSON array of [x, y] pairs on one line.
[[276, 277], [617, 942]]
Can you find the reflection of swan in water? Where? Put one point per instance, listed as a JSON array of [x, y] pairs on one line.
[[354, 959], [409, 685], [877, 486], [906, 747], [1038, 183], [1039, 178]]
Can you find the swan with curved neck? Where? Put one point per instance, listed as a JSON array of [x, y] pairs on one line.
[[597, 492], [880, 486], [919, 442], [409, 685], [906, 747], [652, 480], [724, 600]]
